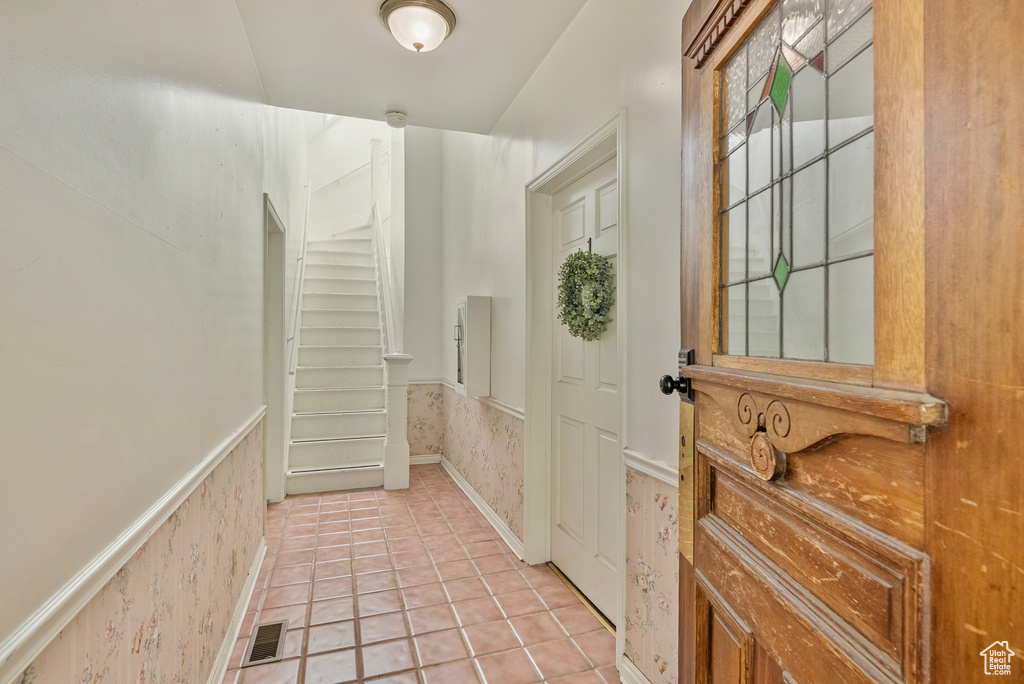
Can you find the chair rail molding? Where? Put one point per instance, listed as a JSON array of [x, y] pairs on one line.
[[20, 648]]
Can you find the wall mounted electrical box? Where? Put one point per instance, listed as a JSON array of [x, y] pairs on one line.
[[473, 346]]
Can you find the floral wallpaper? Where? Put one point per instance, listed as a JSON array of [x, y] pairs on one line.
[[164, 615], [426, 419], [485, 445], [652, 576]]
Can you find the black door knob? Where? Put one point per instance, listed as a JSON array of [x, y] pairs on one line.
[[669, 384]]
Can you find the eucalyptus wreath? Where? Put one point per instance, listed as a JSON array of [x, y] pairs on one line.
[[586, 292]]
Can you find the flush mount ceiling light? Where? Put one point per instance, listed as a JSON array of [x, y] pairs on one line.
[[418, 25]]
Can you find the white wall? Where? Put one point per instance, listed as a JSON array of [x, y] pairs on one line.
[[340, 145], [614, 54], [484, 248], [424, 336], [131, 265]]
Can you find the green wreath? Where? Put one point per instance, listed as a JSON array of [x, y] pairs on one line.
[[586, 292]]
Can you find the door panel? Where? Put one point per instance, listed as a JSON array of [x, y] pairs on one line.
[[586, 454], [809, 477]]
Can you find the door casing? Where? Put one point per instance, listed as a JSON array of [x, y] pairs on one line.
[[606, 142], [274, 354]]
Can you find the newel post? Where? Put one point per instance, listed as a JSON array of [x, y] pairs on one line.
[[396, 440]]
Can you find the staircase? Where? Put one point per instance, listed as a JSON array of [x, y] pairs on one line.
[[339, 420]]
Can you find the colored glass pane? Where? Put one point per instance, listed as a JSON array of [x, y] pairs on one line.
[[780, 83], [781, 272]]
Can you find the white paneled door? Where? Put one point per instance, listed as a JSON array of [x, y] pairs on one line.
[[585, 405]]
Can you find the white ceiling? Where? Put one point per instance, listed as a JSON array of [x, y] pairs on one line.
[[336, 56]]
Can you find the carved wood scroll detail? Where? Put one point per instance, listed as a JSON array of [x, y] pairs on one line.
[[718, 23], [779, 425]]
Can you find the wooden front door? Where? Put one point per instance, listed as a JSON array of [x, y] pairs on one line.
[[804, 300], [848, 525]]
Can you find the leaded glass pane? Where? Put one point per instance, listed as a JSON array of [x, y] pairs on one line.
[[797, 183], [808, 97], [756, 92], [798, 16], [812, 42], [851, 107], [764, 318], [851, 198], [734, 177], [734, 244], [851, 296], [803, 320], [759, 149], [842, 13], [761, 46], [759, 248], [735, 318], [734, 90], [809, 215], [850, 42]]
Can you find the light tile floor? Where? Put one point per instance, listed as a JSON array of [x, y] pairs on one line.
[[413, 587]]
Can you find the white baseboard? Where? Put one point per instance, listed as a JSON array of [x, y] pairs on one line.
[[424, 459], [23, 646], [220, 665], [630, 673], [507, 535]]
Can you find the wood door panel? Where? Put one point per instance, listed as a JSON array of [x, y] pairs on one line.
[[800, 633], [865, 592], [729, 642], [878, 482]]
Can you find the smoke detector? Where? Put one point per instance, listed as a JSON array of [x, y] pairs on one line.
[[395, 119]]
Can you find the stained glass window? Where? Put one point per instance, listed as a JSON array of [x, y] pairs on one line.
[[797, 198]]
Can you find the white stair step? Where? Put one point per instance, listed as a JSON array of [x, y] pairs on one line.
[[335, 479], [339, 337], [340, 302], [336, 400], [340, 356], [317, 270], [340, 286], [365, 231], [338, 258], [326, 318], [339, 378], [338, 425], [335, 453], [361, 245]]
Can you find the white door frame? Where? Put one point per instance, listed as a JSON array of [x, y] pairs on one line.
[[274, 361], [608, 141]]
